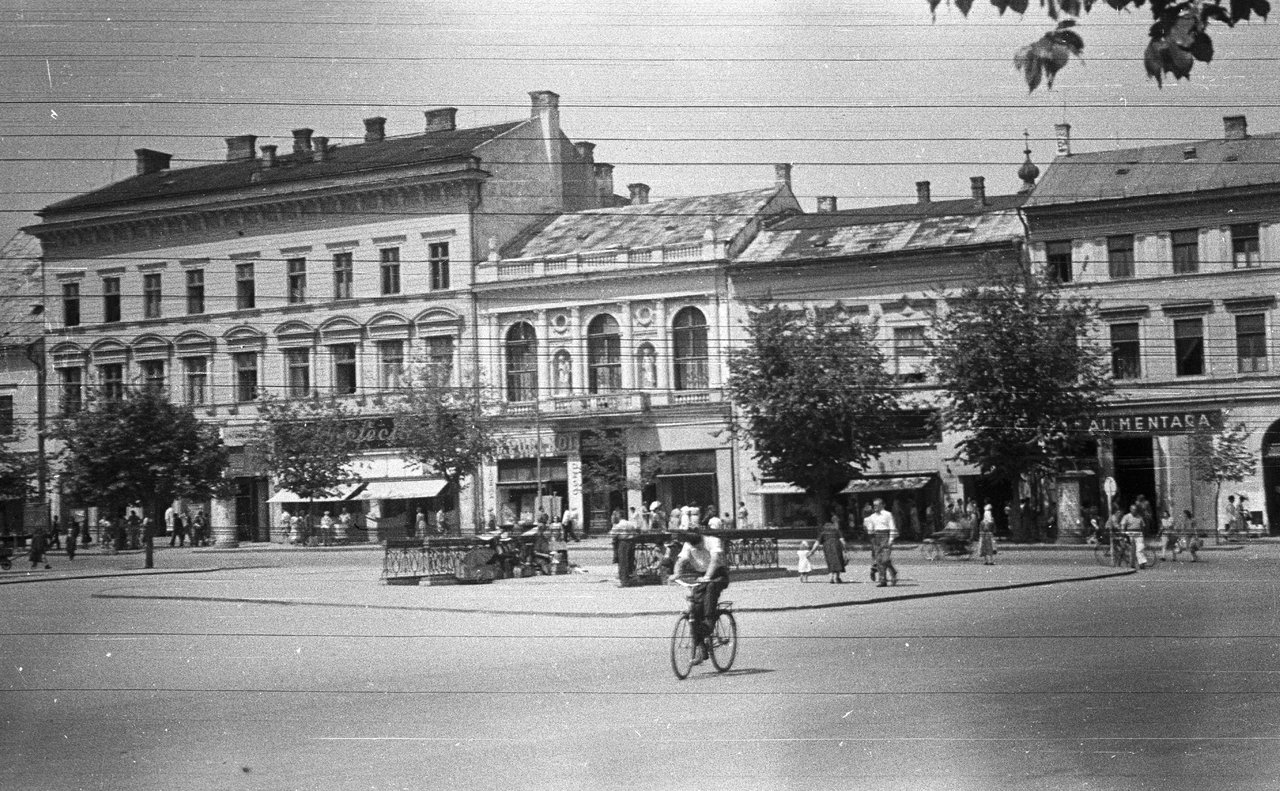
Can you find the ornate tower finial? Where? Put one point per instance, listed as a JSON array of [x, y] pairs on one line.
[[1028, 172]]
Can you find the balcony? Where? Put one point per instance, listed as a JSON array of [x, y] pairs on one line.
[[503, 271], [579, 405]]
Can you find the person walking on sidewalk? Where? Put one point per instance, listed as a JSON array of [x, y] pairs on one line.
[[569, 524], [624, 534], [832, 544], [987, 537], [36, 553], [882, 529], [1132, 525]]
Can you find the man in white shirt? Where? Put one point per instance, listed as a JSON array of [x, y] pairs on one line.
[[882, 530], [703, 554]]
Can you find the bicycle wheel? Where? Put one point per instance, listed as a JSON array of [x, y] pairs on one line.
[[1102, 553], [682, 648], [724, 641]]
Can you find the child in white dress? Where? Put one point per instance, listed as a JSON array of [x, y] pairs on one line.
[[803, 564]]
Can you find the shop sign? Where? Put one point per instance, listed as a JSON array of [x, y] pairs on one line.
[[531, 445], [1151, 423]]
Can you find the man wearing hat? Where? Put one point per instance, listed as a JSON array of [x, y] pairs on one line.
[[703, 554]]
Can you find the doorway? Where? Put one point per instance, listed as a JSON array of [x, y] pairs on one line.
[[1271, 475], [1135, 470]]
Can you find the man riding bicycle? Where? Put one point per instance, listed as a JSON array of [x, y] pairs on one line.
[[704, 554]]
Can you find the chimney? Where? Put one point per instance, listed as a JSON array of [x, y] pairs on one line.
[[268, 156], [441, 119], [826, 204], [782, 175], [375, 129], [587, 151], [978, 186], [604, 180], [1235, 127], [639, 194], [241, 148], [302, 141], [151, 161], [1063, 133], [546, 107], [922, 192], [321, 148]]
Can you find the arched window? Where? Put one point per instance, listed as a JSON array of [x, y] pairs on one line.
[[604, 354], [522, 362], [562, 371], [689, 339]]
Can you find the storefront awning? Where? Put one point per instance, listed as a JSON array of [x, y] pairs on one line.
[[412, 489], [339, 493], [778, 487], [868, 485]]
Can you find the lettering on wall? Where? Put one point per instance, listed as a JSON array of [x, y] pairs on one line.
[[1154, 423]]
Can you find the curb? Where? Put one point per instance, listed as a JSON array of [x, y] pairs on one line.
[[107, 575]]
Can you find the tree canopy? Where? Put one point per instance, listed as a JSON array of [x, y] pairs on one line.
[[1178, 36], [1019, 370], [307, 444], [443, 430], [1222, 457], [813, 393], [17, 471], [140, 448]]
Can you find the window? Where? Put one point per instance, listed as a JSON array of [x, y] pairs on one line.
[[439, 371], [1059, 261], [342, 275], [908, 351], [1244, 246], [1186, 251], [1120, 256], [1188, 346], [246, 290], [151, 295], [195, 371], [72, 380], [246, 373], [153, 375], [604, 355], [1251, 343], [1126, 352], [71, 304], [111, 381], [390, 270], [297, 269], [6, 415], [297, 364], [344, 368], [689, 349], [390, 364], [110, 299], [438, 258], [522, 363], [195, 291]]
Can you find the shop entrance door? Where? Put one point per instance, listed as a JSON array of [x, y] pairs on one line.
[[1135, 470], [251, 493]]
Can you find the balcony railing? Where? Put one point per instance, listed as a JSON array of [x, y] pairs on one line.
[[586, 404], [599, 261]]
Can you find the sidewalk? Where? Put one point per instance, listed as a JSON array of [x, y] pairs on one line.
[[593, 592]]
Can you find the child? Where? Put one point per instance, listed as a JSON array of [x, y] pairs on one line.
[[803, 564]]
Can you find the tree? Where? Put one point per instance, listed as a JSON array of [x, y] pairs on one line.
[[1222, 457], [604, 463], [140, 448], [444, 430], [307, 445], [1179, 34], [815, 398], [1019, 371]]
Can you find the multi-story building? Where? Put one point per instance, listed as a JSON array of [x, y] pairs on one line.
[[1178, 245], [615, 322], [22, 395], [896, 265], [324, 270]]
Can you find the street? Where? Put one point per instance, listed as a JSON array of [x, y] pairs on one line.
[[224, 679]]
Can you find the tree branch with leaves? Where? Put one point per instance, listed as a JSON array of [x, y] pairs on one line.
[[307, 445]]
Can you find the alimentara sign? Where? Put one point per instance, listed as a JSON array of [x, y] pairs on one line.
[[1185, 422]]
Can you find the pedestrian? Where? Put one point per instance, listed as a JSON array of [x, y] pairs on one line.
[[832, 544], [73, 535], [742, 515], [1131, 525], [1168, 538], [987, 537], [295, 529], [286, 524], [715, 523], [624, 534], [55, 534], [326, 529], [342, 530], [200, 530], [135, 530], [569, 524], [804, 562], [883, 531], [491, 521], [675, 519], [171, 524], [1186, 530], [36, 552]]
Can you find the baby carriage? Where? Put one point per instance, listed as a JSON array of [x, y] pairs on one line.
[[947, 543]]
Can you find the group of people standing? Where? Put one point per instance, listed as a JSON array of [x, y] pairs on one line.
[[298, 529]]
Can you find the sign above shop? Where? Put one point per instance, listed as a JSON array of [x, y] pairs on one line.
[[1154, 423], [528, 446]]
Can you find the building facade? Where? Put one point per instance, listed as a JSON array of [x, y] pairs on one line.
[[1178, 245], [326, 270], [23, 407]]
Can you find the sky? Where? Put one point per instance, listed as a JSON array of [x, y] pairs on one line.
[[863, 97]]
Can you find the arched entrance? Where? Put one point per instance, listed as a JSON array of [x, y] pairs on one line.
[[1271, 475]]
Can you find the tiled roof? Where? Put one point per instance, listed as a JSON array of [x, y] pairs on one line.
[[668, 222], [1160, 170], [342, 160], [887, 230]]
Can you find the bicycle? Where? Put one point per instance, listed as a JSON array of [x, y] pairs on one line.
[[1118, 551], [721, 644]]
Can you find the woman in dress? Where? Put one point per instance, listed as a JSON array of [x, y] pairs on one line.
[[832, 544]]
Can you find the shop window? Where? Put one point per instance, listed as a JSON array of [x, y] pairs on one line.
[[1188, 343], [1120, 256], [1251, 343], [522, 362], [1126, 351], [1245, 252], [689, 349], [1186, 251], [1059, 261]]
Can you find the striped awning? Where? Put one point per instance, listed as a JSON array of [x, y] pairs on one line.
[[899, 484], [778, 487]]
